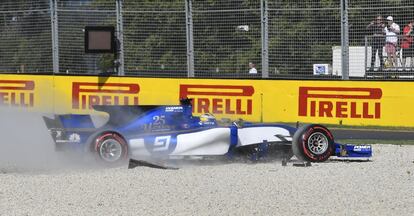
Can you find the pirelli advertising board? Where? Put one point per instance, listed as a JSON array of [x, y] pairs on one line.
[[334, 102]]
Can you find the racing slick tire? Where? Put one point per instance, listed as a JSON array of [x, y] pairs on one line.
[[313, 143], [110, 148]]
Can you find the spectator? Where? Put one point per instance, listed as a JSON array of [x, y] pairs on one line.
[[391, 40], [407, 44], [252, 69], [376, 28]]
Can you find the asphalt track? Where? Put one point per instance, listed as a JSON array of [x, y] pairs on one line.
[[372, 134]]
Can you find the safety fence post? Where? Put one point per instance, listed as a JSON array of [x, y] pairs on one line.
[[55, 35], [265, 39], [344, 40], [120, 37], [189, 38]]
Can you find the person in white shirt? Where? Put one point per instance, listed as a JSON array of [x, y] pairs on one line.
[[391, 40], [252, 69]]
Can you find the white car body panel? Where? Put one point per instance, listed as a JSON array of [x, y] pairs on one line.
[[209, 142], [214, 141], [255, 135], [137, 147]]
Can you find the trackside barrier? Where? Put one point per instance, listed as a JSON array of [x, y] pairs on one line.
[[333, 102]]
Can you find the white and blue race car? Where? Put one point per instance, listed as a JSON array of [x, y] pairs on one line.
[[172, 132]]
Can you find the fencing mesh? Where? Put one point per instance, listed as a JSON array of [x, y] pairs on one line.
[[301, 35], [226, 38], [25, 39], [73, 16], [361, 14], [155, 38]]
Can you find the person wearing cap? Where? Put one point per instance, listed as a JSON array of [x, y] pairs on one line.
[[391, 40], [376, 28], [407, 44], [252, 69]]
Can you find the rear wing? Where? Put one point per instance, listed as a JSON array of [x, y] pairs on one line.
[[69, 129], [117, 115], [69, 121]]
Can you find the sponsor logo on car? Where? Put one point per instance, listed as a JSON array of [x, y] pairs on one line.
[[74, 137], [360, 148], [174, 109], [220, 99], [87, 94], [18, 93], [340, 102]]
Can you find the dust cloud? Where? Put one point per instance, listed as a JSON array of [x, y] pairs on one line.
[[26, 145]]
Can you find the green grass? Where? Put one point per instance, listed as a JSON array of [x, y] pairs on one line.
[[330, 126], [360, 127], [371, 141]]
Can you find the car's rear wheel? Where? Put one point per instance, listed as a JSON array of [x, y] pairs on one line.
[[110, 148], [314, 143]]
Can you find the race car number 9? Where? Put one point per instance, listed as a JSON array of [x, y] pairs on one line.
[[162, 143]]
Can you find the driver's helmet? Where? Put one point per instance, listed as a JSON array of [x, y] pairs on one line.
[[207, 119]]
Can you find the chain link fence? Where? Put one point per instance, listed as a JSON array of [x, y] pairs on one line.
[[72, 17], [227, 37], [155, 38], [302, 35], [215, 39], [25, 39], [364, 25]]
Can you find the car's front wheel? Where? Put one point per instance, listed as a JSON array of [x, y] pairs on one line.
[[314, 143], [110, 148]]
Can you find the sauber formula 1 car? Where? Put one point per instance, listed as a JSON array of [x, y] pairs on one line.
[[172, 132]]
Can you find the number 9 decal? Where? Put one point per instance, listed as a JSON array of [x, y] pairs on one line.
[[162, 143]]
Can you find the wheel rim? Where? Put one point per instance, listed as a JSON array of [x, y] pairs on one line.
[[110, 150], [318, 143]]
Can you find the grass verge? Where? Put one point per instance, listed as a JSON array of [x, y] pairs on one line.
[[374, 141], [362, 127]]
